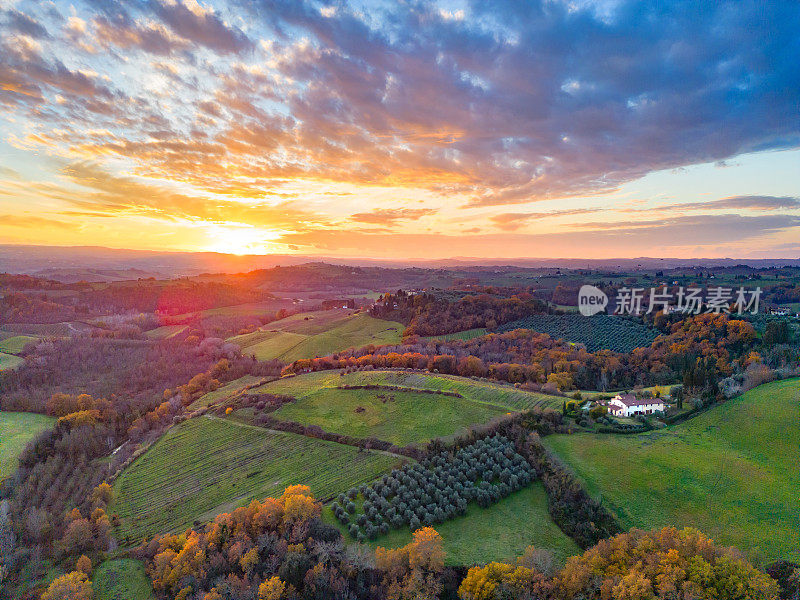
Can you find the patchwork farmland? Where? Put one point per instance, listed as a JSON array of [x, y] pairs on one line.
[[205, 466], [400, 417], [476, 390], [600, 332], [306, 335]]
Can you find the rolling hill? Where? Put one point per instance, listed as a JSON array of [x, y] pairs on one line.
[[206, 466], [306, 335], [731, 472], [493, 393]]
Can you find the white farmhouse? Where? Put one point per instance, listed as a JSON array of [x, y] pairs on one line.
[[626, 405]]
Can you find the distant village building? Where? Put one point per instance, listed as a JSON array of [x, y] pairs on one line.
[[341, 303], [626, 405]]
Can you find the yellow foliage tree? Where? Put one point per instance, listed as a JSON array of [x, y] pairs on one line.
[[665, 563], [72, 586], [184, 593], [634, 586], [272, 589], [562, 380], [295, 490], [249, 560], [300, 507], [393, 562], [485, 583], [102, 494]]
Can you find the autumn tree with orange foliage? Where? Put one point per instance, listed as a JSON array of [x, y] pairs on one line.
[[275, 549], [72, 586], [413, 571]]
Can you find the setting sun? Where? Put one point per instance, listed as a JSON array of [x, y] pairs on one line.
[[239, 239]]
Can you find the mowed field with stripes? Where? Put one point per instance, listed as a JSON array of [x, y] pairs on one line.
[[206, 466]]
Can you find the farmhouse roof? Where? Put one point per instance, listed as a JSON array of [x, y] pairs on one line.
[[632, 400]]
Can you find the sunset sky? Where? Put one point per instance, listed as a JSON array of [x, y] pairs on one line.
[[403, 129]]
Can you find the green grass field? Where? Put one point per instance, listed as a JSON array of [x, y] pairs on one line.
[[229, 389], [399, 417], [64, 329], [238, 310], [467, 334], [306, 335], [267, 345], [500, 532], [165, 332], [206, 466], [16, 430], [9, 361], [15, 344], [731, 472], [477, 390], [122, 579]]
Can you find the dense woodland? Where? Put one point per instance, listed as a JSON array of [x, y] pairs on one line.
[[67, 302], [434, 314]]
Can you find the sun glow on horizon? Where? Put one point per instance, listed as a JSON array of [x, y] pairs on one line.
[[240, 240]]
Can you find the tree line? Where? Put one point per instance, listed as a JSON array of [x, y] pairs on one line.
[[428, 314], [722, 344]]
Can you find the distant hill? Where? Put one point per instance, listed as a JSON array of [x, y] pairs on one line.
[[74, 275], [32, 259]]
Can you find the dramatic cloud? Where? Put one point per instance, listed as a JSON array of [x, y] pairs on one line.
[[31, 221], [596, 240], [201, 25], [119, 31], [747, 202], [22, 23], [514, 221], [247, 111], [390, 216], [120, 195]]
